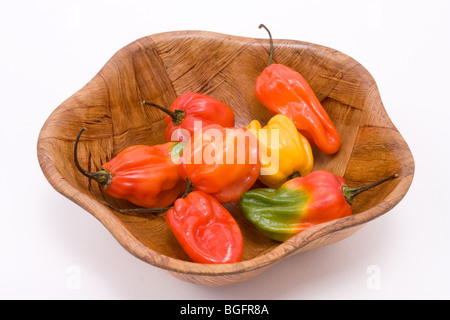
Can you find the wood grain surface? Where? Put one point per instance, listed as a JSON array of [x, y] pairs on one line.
[[159, 68]]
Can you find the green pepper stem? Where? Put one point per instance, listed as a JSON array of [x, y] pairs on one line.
[[177, 115], [350, 193], [137, 210], [189, 188], [294, 175], [103, 177], [271, 43]]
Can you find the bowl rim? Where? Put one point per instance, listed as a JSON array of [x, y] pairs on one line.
[[129, 241]]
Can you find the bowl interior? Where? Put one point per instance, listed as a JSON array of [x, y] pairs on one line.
[[160, 67]]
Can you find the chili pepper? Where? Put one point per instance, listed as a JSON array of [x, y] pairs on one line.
[[221, 161], [283, 90], [189, 108], [284, 152], [144, 175], [207, 232], [300, 203], [205, 229]]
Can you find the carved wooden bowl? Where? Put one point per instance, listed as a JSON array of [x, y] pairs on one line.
[[162, 66]]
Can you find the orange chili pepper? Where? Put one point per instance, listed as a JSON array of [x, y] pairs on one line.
[[223, 162], [144, 175], [283, 90]]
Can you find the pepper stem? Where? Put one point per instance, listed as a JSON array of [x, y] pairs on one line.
[[189, 188], [137, 210], [177, 115], [103, 177], [294, 175], [271, 43], [350, 193]]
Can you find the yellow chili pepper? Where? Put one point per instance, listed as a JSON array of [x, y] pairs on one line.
[[284, 152]]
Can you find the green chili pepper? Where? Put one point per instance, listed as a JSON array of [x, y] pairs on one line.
[[300, 203]]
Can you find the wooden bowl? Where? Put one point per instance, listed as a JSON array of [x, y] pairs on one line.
[[162, 66]]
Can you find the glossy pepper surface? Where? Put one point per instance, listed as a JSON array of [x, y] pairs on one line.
[[283, 150], [221, 161], [283, 90], [144, 175], [207, 232], [300, 203], [193, 109]]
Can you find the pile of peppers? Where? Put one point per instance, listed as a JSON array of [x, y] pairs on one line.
[[207, 161]]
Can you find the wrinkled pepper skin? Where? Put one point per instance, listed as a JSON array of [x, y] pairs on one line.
[[191, 107], [144, 175], [207, 232], [283, 90], [294, 151], [300, 203], [221, 161]]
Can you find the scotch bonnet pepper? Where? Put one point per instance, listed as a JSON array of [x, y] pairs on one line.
[[207, 232], [221, 161], [144, 175], [284, 152], [283, 90], [300, 203], [203, 227], [191, 109]]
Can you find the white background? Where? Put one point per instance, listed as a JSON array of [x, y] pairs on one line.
[[52, 249]]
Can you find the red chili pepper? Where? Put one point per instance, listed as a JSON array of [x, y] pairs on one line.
[[191, 107], [221, 161], [207, 232], [283, 90], [144, 175]]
